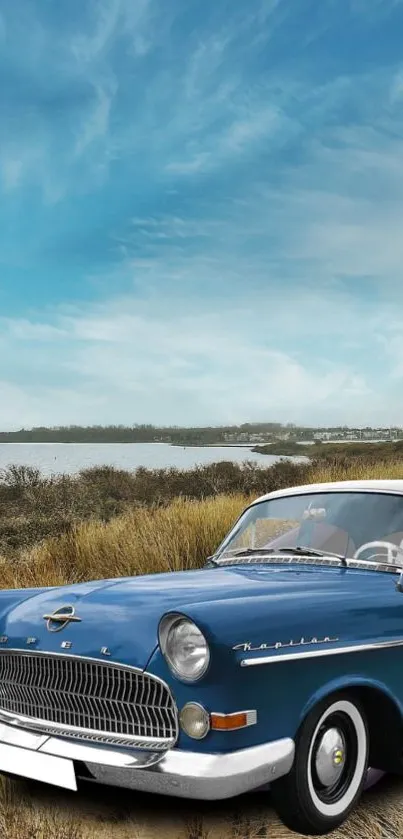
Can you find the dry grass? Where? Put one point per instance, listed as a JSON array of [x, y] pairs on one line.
[[140, 541], [22, 818], [33, 811], [357, 470]]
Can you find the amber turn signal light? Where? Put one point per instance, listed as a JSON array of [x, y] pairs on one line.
[[230, 722]]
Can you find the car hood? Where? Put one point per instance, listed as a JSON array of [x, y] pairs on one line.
[[123, 615]]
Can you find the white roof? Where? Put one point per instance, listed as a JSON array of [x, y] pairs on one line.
[[388, 486]]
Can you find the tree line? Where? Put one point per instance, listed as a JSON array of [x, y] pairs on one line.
[[135, 434]]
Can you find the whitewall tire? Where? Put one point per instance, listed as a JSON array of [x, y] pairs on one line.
[[330, 767]]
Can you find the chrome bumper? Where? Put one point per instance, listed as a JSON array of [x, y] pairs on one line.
[[185, 774]]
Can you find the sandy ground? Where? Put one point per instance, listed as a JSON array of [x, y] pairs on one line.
[[106, 813]]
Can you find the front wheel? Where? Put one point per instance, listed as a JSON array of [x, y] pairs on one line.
[[330, 767]]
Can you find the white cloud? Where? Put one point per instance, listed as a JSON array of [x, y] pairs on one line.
[[225, 128], [89, 46], [133, 362], [23, 406], [255, 127], [17, 407], [11, 170], [42, 147], [198, 163], [96, 125], [175, 227], [20, 161], [23, 329], [111, 19]]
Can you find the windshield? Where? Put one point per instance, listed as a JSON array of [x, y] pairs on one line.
[[341, 523]]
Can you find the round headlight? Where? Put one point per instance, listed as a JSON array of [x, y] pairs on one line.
[[184, 647], [194, 720]]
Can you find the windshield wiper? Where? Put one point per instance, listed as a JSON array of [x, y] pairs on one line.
[[299, 550]]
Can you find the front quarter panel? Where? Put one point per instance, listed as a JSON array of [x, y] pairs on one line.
[[353, 608]]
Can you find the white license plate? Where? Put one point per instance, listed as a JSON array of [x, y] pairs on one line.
[[58, 771]]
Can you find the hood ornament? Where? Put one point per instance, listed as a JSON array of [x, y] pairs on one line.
[[60, 618]]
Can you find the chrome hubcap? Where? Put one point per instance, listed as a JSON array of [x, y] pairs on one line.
[[330, 757]]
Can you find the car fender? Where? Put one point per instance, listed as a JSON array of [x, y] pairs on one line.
[[347, 682]]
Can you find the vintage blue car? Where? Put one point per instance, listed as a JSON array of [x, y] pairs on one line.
[[280, 662]]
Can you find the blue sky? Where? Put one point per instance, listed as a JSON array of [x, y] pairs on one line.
[[201, 211]]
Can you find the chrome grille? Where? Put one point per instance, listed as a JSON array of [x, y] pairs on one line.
[[82, 697]]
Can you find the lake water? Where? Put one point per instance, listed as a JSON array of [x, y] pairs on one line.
[[54, 458]]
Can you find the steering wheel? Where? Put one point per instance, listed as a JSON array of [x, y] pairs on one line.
[[393, 551]]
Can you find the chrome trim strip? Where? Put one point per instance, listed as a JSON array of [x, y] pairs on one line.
[[102, 661], [62, 617], [104, 755], [281, 559], [50, 728], [86, 734], [389, 567], [355, 648]]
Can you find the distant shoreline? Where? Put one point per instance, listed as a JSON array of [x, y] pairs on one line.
[[125, 443]]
